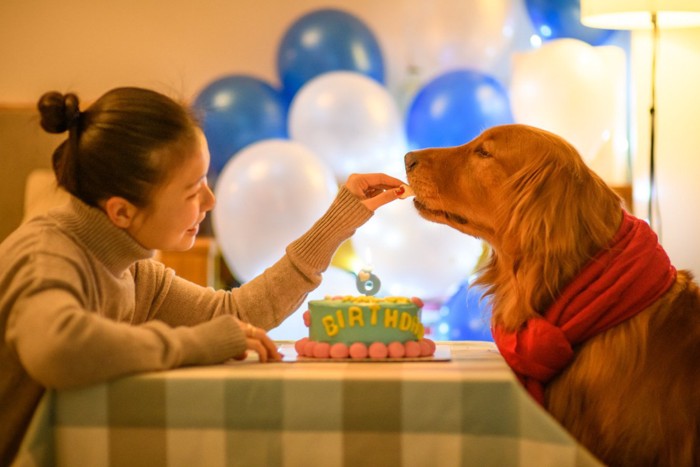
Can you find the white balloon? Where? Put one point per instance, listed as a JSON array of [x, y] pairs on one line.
[[569, 87], [268, 194], [335, 281], [349, 120], [611, 161], [412, 256], [442, 35]]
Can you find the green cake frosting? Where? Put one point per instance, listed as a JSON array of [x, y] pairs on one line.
[[365, 319]]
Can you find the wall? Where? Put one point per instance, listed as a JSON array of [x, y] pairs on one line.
[[181, 45], [677, 139], [23, 148]]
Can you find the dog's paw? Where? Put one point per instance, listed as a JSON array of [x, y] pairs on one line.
[[404, 191]]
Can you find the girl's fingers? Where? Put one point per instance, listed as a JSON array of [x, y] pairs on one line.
[[257, 346], [258, 340], [381, 199]]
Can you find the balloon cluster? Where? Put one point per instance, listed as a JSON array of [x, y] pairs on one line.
[[465, 316], [279, 153]]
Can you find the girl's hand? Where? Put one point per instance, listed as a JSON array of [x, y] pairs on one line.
[[374, 189], [258, 340]]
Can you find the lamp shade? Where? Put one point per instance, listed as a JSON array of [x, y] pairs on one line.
[[636, 14]]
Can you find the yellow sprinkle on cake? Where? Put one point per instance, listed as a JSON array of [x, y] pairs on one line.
[[368, 299]]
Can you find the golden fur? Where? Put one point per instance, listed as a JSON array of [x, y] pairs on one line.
[[632, 393]]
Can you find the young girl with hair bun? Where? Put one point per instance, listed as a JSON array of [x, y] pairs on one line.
[[81, 299]]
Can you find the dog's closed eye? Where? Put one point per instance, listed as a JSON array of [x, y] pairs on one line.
[[482, 152]]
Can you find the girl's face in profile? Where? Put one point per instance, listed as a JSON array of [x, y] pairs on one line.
[[171, 221]]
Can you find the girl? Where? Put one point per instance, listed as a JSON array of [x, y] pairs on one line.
[[82, 301]]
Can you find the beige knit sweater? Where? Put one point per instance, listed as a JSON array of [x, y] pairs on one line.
[[82, 303]]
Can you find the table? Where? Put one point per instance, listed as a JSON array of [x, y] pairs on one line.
[[470, 410]]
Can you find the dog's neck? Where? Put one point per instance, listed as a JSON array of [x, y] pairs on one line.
[[523, 282]]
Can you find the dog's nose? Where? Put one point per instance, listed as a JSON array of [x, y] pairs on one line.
[[410, 160]]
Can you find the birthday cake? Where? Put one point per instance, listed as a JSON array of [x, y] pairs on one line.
[[361, 327]]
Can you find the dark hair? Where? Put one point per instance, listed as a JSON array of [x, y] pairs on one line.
[[124, 144]]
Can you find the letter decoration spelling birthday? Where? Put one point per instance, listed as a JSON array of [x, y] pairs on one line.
[[367, 283]]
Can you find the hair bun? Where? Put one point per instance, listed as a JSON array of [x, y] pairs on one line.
[[58, 112]]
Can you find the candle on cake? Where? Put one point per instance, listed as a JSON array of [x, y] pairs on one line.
[[367, 283]]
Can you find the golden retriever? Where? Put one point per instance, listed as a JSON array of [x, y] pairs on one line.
[[631, 393]]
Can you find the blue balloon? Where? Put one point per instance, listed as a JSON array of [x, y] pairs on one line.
[[238, 110], [323, 41], [557, 19], [466, 316], [454, 108]]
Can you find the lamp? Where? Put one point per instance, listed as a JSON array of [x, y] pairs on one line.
[[643, 14]]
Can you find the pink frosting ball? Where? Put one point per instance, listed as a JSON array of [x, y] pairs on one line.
[[307, 318], [396, 350], [378, 350], [358, 350], [426, 349], [309, 348], [412, 349], [339, 350], [432, 345], [322, 350], [299, 345], [417, 301]]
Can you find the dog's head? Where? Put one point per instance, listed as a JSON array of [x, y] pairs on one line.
[[512, 180], [528, 193], [459, 186]]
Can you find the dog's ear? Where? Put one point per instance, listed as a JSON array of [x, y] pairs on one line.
[[561, 214]]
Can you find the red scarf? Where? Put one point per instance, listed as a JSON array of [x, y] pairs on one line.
[[618, 283]]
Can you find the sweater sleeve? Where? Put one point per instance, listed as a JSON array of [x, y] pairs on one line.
[[269, 298], [61, 344]]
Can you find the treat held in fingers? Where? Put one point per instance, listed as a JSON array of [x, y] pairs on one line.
[[405, 191]]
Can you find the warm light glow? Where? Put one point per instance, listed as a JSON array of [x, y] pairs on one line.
[[367, 259], [535, 41], [636, 14]]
